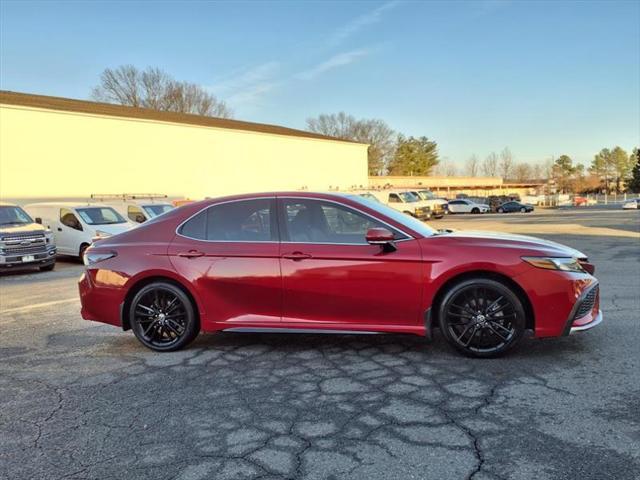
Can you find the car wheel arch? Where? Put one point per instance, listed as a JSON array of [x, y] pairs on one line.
[[486, 274], [141, 283]]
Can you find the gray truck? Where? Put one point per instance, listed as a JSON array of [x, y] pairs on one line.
[[23, 242]]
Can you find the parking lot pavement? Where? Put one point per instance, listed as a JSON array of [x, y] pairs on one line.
[[83, 400]]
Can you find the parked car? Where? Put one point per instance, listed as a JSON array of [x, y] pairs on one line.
[[632, 205], [23, 242], [467, 206], [509, 207], [311, 262], [76, 225], [436, 205], [136, 207], [405, 202]]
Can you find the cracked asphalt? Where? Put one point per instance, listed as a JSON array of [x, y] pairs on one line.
[[80, 400]]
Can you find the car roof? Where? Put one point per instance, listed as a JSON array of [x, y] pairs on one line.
[[67, 204]]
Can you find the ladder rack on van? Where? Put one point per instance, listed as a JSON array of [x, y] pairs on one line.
[[126, 196]]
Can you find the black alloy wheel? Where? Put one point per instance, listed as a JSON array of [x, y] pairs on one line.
[[481, 318], [162, 317], [475, 210]]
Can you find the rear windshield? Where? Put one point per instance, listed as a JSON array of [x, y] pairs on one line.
[[159, 209], [100, 216], [12, 215]]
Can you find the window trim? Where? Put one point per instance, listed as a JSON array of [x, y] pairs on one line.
[[280, 218], [275, 212], [276, 200]]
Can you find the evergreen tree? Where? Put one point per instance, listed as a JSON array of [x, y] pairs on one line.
[[414, 156]]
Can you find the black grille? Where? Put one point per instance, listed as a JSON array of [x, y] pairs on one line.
[[587, 303]]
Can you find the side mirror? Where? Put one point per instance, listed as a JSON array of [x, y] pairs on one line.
[[140, 218], [38, 220], [382, 237]]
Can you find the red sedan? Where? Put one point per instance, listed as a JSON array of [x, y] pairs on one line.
[[332, 263]]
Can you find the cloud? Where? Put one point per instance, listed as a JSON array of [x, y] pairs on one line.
[[247, 85], [357, 24], [336, 61]]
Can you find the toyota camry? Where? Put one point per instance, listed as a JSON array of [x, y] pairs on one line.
[[332, 263]]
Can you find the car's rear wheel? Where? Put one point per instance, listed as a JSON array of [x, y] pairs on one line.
[[500, 210], [162, 317], [481, 317]]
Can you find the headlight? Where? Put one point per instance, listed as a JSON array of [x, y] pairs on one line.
[[89, 257], [102, 234], [566, 264]]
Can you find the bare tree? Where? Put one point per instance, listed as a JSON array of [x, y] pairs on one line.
[[157, 90], [537, 171], [522, 172], [446, 168], [379, 136], [506, 163], [490, 165], [473, 166]]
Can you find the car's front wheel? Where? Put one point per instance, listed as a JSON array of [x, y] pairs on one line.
[[475, 210], [481, 317], [162, 317], [523, 210]]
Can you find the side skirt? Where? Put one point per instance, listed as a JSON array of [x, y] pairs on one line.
[[299, 330]]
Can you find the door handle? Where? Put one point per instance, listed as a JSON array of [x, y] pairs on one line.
[[296, 256], [59, 229], [191, 254]]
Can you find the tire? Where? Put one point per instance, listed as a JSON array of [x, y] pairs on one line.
[[523, 210], [497, 328], [83, 247], [500, 210], [163, 317], [48, 268], [475, 210]]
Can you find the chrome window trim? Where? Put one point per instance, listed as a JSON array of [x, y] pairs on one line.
[[224, 241], [409, 237], [177, 230]]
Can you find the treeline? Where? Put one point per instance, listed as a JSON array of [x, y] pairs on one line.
[[390, 152], [611, 171]]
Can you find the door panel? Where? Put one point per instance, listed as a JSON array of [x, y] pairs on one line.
[[326, 280], [238, 280]]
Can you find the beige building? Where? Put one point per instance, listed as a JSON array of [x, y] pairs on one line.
[[57, 147], [450, 186]]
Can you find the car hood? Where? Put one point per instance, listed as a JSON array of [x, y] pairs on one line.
[[115, 228], [15, 228], [511, 240]]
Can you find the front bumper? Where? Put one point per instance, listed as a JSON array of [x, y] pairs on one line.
[[587, 326], [40, 259]]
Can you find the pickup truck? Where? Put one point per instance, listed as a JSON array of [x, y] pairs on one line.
[[24, 243]]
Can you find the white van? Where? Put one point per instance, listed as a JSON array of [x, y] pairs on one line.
[[405, 202], [75, 225], [137, 208]]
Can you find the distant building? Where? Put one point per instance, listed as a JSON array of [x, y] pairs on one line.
[[451, 186], [71, 148]]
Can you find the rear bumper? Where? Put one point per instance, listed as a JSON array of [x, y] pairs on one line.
[[99, 303]]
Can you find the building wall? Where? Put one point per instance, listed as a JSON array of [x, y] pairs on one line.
[[47, 153]]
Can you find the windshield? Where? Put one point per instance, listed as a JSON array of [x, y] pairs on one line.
[[158, 209], [409, 197], [100, 216], [427, 194], [402, 218], [10, 215]]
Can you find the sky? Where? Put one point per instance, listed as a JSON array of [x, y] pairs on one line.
[[543, 78]]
